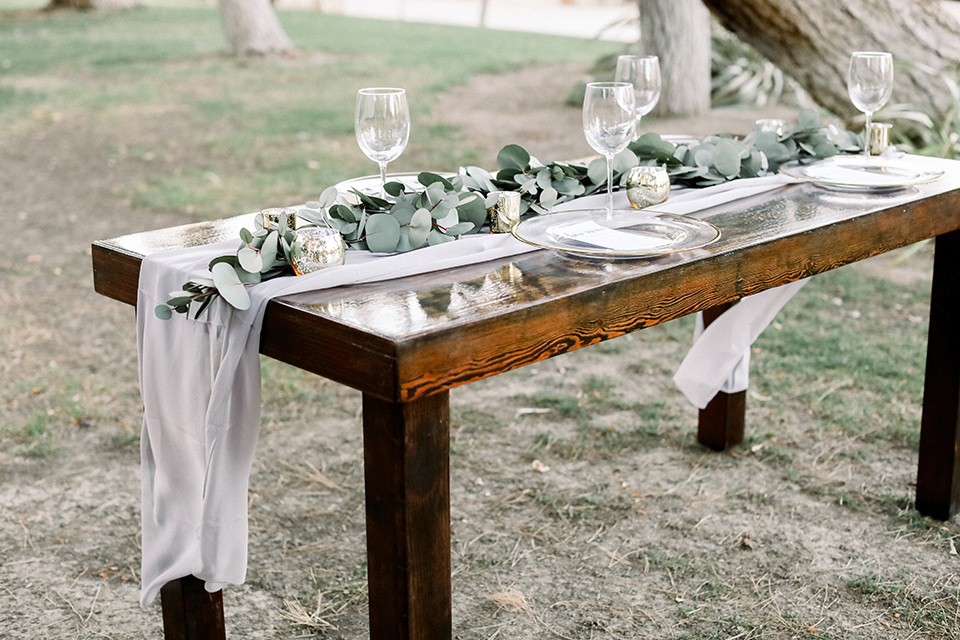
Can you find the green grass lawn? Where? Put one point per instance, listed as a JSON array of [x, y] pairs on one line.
[[267, 128]]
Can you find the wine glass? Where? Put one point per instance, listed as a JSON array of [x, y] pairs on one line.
[[643, 72], [870, 83], [609, 123], [382, 125]]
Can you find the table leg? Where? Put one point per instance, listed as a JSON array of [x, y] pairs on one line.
[[938, 475], [190, 612], [406, 458], [721, 422]]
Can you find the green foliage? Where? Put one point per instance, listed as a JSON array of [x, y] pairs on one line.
[[443, 209]]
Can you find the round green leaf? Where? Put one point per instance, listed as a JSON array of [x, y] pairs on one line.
[[383, 233], [513, 156], [250, 260], [459, 229], [726, 158], [163, 312], [420, 225], [439, 238], [229, 286], [597, 171]]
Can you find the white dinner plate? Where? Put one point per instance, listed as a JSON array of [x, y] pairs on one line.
[[859, 173], [370, 185], [628, 233]]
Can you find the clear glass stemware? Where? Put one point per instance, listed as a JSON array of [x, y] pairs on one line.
[[643, 72], [870, 83], [609, 123], [382, 125]]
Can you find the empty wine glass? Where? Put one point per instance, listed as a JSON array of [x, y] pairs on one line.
[[643, 72], [382, 125], [609, 123], [870, 83]]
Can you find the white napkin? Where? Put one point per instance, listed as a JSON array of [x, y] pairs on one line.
[[200, 382]]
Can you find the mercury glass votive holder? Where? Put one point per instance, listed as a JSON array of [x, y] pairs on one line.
[[316, 248], [647, 186], [272, 216], [879, 137], [504, 214]]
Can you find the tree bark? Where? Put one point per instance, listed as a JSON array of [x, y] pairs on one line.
[[252, 27], [678, 31], [812, 41]]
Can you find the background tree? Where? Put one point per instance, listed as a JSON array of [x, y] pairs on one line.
[[679, 32], [90, 4], [812, 40], [252, 27]]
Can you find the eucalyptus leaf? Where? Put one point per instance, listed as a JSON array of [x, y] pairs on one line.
[[597, 171], [245, 235], [250, 259], [548, 197], [459, 229], [420, 225], [726, 158], [327, 198], [229, 286], [809, 119], [394, 188], [269, 251], [426, 179], [343, 212], [624, 161], [436, 237], [435, 193], [383, 233], [513, 156], [163, 312]]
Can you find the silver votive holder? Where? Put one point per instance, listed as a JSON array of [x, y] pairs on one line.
[[773, 125], [273, 215], [647, 186], [879, 137], [504, 213], [316, 248]]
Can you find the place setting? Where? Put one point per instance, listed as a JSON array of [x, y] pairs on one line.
[[869, 84]]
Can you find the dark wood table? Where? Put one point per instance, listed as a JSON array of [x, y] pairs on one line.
[[477, 321]]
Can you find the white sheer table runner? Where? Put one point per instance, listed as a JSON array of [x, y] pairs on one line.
[[200, 382]]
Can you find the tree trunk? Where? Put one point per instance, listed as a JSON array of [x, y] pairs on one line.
[[89, 5], [678, 31], [812, 41], [252, 27]]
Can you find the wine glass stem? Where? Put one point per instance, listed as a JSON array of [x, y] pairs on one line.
[[609, 187], [383, 179], [866, 134]]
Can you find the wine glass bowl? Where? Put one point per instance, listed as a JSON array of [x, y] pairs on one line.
[[609, 122], [869, 84], [643, 72], [382, 126]]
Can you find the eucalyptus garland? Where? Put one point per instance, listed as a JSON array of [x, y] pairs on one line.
[[443, 209]]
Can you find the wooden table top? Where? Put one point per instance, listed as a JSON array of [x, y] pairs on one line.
[[404, 339]]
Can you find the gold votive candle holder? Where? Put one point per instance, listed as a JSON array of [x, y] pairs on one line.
[[273, 215], [879, 137], [647, 186], [316, 248], [504, 213]]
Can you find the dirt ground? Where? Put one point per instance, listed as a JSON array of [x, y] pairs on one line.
[[626, 529]]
